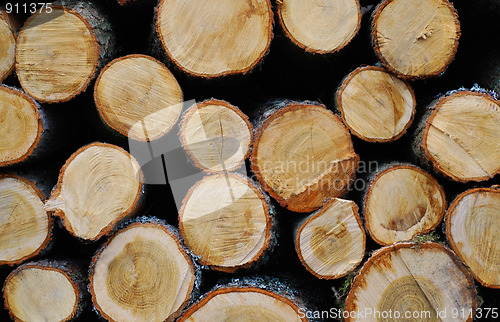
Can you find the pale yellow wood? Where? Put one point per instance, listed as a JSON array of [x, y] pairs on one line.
[[416, 39], [98, 185], [139, 97], [303, 155], [20, 126], [56, 56], [24, 224], [142, 274], [422, 280], [375, 105], [7, 48], [241, 306], [224, 220], [320, 25], [332, 242], [40, 294], [215, 37], [473, 229], [216, 135], [402, 202], [462, 137]]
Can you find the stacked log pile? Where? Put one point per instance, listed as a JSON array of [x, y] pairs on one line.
[[256, 160]]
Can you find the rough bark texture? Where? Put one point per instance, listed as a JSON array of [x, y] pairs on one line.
[[101, 27]]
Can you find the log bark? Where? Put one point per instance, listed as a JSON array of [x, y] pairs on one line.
[[472, 225], [461, 142], [216, 135], [251, 303], [26, 228], [98, 186], [158, 284], [488, 68], [421, 279], [224, 37], [320, 27], [7, 46], [401, 202], [224, 219], [21, 125], [302, 155], [60, 52], [415, 39], [331, 242], [45, 291], [138, 97], [375, 105]]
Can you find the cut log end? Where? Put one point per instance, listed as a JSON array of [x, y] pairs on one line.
[[320, 26], [375, 105], [216, 135], [225, 220], [248, 303], [35, 292], [331, 243], [461, 136], [141, 274], [202, 26], [402, 202], [25, 226], [138, 96], [472, 226], [424, 280], [7, 48], [57, 55], [303, 155], [416, 39], [99, 185], [21, 126]]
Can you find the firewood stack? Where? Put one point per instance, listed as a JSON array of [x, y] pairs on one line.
[[253, 160]]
